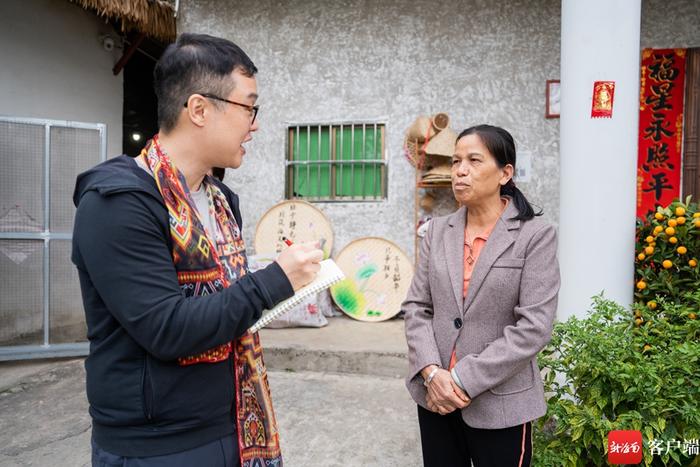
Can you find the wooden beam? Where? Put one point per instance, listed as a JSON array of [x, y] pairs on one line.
[[128, 52]]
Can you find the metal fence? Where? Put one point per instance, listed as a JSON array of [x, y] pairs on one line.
[[41, 312]]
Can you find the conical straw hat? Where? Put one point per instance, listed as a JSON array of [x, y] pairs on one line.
[[442, 170], [420, 129], [442, 144]]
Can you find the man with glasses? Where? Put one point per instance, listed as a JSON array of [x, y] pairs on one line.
[[173, 377]]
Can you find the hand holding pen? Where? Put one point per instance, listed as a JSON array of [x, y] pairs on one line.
[[300, 262], [319, 244]]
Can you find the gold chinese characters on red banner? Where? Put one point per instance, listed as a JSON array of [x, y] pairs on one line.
[[660, 128]]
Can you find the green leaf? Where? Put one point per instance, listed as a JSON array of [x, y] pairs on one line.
[[576, 433]]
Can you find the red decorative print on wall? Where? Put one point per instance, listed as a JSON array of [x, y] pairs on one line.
[[603, 98]]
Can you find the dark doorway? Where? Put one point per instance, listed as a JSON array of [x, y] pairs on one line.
[[140, 117], [691, 141]]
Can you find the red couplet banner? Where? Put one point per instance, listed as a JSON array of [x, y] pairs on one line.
[[660, 128]]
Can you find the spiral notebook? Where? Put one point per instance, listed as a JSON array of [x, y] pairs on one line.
[[328, 275]]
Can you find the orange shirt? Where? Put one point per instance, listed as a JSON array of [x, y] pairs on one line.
[[477, 245]]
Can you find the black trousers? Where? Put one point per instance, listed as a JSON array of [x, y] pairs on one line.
[[449, 442], [220, 453]]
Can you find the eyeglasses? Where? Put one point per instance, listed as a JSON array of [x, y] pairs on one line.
[[253, 109]]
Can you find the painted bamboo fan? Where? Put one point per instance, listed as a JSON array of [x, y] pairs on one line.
[[296, 220], [378, 274]]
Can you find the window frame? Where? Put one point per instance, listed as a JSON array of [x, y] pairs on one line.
[[334, 164]]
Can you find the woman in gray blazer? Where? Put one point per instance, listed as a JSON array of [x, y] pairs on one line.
[[480, 308]]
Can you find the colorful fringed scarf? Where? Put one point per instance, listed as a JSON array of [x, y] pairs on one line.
[[208, 262]]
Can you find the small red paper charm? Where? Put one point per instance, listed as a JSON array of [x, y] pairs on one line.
[[603, 94]]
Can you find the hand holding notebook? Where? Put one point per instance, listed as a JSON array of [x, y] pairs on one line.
[[328, 275]]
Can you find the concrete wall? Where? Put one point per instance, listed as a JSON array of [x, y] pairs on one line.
[[670, 23], [479, 61], [53, 66]]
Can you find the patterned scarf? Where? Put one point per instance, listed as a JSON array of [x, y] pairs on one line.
[[208, 262]]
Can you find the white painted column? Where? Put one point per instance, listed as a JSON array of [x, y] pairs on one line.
[[599, 42]]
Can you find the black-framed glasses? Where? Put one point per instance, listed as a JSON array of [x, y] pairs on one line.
[[253, 109]]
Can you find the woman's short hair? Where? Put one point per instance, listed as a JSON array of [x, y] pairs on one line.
[[195, 63], [501, 145]]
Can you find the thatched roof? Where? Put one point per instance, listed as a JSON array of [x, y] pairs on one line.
[[155, 18]]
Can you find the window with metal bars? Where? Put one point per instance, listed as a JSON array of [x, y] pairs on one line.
[[336, 162]]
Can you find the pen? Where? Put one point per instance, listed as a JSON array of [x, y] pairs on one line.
[[287, 241]]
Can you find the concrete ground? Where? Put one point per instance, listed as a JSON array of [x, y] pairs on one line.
[[338, 392], [344, 346]]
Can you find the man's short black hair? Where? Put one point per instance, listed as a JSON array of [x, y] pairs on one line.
[[195, 63]]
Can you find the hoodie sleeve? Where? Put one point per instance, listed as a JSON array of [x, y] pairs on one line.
[[122, 246]]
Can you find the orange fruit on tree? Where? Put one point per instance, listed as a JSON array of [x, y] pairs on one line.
[[681, 220], [638, 321], [658, 229], [671, 223], [696, 215], [667, 264], [641, 256], [692, 263], [649, 239], [641, 285], [697, 223], [647, 347], [673, 240], [670, 231], [659, 216], [680, 211], [682, 250], [649, 250], [692, 315], [651, 304]]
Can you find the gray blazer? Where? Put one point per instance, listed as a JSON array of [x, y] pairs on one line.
[[505, 320]]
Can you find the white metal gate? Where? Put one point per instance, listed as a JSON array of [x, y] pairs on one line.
[[41, 312]]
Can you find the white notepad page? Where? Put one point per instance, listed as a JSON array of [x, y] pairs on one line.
[[328, 275]]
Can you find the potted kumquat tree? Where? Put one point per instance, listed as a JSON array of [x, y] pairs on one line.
[[622, 369]]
